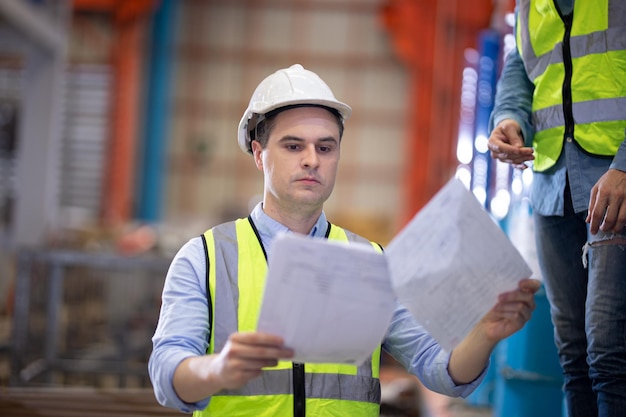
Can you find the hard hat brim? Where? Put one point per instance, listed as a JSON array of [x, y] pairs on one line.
[[243, 136]]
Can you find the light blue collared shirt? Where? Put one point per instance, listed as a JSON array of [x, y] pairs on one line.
[[183, 328]]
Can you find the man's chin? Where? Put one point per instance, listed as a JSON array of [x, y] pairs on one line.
[[311, 198]]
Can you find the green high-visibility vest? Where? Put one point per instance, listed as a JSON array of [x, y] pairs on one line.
[[579, 72], [235, 283]]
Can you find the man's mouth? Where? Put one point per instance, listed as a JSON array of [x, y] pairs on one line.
[[309, 180]]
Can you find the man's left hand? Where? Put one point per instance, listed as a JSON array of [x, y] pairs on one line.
[[512, 311], [607, 203]]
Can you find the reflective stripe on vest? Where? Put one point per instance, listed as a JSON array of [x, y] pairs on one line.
[[237, 271], [597, 51]]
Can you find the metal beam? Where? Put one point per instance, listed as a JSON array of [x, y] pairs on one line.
[[38, 37], [39, 29]]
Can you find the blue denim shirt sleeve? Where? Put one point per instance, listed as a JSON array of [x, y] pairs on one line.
[[619, 161], [514, 95]]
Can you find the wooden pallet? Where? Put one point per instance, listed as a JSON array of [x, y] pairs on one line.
[[80, 402]]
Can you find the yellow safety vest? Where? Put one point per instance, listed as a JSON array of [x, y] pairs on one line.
[[235, 282], [578, 68]]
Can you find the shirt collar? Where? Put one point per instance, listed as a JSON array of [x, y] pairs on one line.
[[268, 228]]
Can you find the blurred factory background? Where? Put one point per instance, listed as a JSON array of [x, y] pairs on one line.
[[118, 143]]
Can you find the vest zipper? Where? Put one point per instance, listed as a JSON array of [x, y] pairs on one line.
[[568, 114], [299, 397]]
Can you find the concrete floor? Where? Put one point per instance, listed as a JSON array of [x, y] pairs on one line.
[[460, 408], [403, 395], [438, 406], [453, 408]]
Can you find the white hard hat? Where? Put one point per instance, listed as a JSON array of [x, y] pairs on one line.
[[288, 86]]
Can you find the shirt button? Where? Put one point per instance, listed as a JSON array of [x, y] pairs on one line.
[[569, 139]]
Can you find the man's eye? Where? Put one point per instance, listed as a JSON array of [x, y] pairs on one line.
[[293, 146], [325, 149]]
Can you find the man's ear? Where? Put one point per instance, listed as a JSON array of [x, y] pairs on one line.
[[257, 150]]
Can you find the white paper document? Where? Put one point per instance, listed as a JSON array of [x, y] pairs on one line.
[[332, 301], [450, 262]]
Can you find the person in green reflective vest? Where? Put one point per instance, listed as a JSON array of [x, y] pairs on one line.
[[561, 103], [207, 357]]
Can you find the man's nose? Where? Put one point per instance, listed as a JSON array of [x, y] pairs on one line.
[[310, 158]]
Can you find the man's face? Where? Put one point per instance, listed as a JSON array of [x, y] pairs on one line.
[[300, 160]]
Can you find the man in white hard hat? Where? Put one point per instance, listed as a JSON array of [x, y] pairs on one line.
[[207, 356]]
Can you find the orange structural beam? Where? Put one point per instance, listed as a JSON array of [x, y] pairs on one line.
[[95, 5], [128, 19], [119, 182], [431, 38], [120, 9]]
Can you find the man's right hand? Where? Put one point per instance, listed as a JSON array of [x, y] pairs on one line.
[[507, 144], [245, 355]]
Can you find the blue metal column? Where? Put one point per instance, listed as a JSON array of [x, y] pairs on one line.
[[481, 171], [149, 203], [489, 49]]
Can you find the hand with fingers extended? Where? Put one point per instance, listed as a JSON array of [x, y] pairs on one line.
[[607, 203], [242, 359], [507, 144], [510, 313]]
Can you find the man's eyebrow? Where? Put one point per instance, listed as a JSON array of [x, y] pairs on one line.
[[290, 138], [328, 139]]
